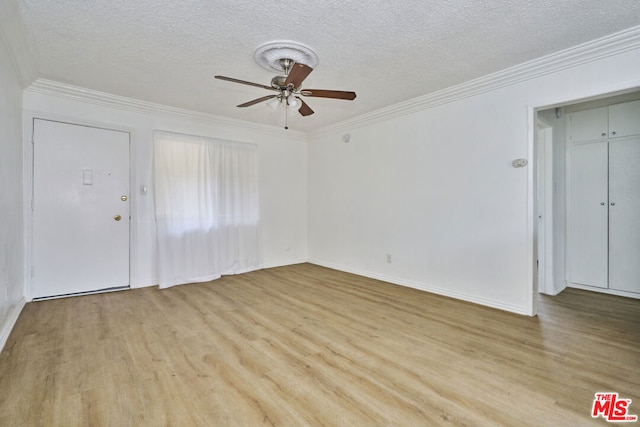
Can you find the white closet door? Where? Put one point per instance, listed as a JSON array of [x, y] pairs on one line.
[[624, 214], [588, 234], [624, 119], [589, 124]]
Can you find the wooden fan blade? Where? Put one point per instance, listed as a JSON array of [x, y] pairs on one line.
[[304, 109], [337, 94], [256, 101], [231, 79], [298, 73]]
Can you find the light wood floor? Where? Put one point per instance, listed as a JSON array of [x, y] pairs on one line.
[[305, 345]]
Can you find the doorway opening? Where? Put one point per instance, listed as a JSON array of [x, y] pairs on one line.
[[552, 191]]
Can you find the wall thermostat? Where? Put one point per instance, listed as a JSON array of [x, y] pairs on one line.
[[519, 163]]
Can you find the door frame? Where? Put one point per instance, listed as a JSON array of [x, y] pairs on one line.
[[544, 211], [28, 178], [532, 205]]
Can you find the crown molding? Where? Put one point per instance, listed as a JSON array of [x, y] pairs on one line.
[[63, 90], [595, 50]]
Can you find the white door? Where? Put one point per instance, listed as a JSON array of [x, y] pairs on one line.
[[80, 209], [624, 119], [589, 125], [588, 214], [624, 214]]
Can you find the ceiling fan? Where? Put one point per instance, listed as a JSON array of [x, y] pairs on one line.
[[288, 88]]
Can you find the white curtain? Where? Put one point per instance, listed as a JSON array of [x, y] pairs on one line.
[[207, 210]]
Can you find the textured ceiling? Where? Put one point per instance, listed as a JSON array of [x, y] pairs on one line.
[[167, 51]]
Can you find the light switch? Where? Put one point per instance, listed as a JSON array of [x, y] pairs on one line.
[[87, 177]]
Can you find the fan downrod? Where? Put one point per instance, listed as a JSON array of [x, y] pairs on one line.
[[278, 82]]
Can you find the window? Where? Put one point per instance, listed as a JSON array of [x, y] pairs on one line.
[[207, 207]]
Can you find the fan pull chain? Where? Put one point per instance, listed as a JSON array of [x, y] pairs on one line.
[[286, 114]]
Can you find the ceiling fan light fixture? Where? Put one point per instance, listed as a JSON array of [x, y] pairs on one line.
[[292, 102], [274, 103]]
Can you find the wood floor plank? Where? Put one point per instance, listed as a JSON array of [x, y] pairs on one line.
[[305, 345]]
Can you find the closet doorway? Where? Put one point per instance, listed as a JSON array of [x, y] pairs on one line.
[[595, 244]]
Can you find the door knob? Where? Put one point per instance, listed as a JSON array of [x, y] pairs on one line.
[[117, 217], [123, 198], [602, 203], [613, 203]]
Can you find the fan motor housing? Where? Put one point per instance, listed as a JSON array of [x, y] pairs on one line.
[[278, 82]]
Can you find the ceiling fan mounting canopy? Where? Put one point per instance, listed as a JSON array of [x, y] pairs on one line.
[[268, 55]]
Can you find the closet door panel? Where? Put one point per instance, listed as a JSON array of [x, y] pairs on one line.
[[588, 234], [589, 124], [624, 214], [624, 119]]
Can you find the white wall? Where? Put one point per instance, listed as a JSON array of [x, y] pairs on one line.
[[11, 190], [435, 187], [282, 154]]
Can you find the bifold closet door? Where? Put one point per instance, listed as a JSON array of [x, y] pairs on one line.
[[588, 234], [624, 214]]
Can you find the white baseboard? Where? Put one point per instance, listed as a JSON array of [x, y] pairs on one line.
[[282, 263], [11, 322], [143, 285], [560, 288], [424, 287], [271, 264], [604, 290], [555, 290]]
